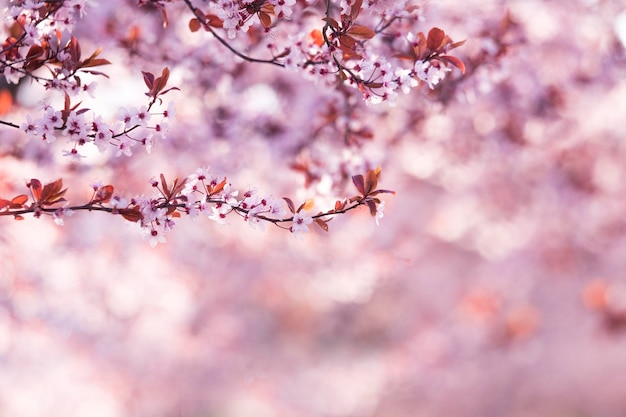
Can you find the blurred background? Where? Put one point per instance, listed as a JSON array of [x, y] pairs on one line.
[[494, 285]]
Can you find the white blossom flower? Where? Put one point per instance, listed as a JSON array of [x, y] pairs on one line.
[[300, 224]]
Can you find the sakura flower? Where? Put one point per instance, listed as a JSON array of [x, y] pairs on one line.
[[90, 89], [13, 73], [229, 196], [282, 8], [170, 113], [73, 154], [405, 80], [60, 214], [129, 117], [301, 223], [31, 127], [118, 201], [124, 147], [153, 235], [76, 127], [52, 119], [142, 116], [217, 215], [432, 73]]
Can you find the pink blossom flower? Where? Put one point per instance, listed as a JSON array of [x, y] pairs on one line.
[[300, 224]]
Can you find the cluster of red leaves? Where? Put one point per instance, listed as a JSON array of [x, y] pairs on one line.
[[156, 85], [435, 46], [347, 33], [47, 54], [43, 196]]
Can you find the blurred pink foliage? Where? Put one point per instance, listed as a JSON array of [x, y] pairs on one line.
[[494, 285]]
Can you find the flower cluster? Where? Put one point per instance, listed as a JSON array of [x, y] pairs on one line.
[[131, 129], [37, 28]]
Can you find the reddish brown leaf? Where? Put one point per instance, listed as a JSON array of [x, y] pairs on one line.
[[160, 83], [148, 78], [34, 52], [131, 214], [4, 203], [73, 48], [371, 180], [95, 63], [383, 192], [436, 37], [194, 25], [104, 194], [361, 32], [35, 186], [322, 224], [178, 187], [372, 206], [356, 9], [340, 205], [347, 41], [19, 200], [332, 22], [215, 21], [454, 61], [420, 49], [292, 207], [52, 193], [359, 183], [265, 19]]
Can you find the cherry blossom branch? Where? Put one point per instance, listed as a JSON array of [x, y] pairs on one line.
[[205, 24], [200, 193]]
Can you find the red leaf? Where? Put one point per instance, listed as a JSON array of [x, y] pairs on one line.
[[4, 203], [362, 32], [104, 194], [322, 224], [292, 207], [131, 214], [371, 180], [454, 61], [148, 78], [19, 200], [215, 21], [74, 49], [340, 205], [436, 37], [35, 186], [52, 193], [356, 9], [265, 19], [194, 25], [359, 183], [95, 63]]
